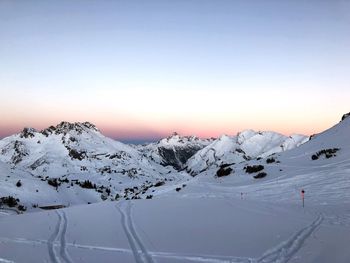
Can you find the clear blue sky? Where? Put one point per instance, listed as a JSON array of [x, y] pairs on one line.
[[141, 69]]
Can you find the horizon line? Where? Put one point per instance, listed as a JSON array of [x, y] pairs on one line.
[[150, 138]]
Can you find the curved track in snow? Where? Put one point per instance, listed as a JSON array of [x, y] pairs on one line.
[[59, 235], [281, 253], [51, 246], [135, 241], [63, 250], [285, 250]]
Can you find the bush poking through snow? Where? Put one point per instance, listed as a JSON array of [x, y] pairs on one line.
[[254, 168], [149, 196], [10, 201], [178, 189], [22, 208], [314, 157], [270, 160], [328, 153], [224, 171], [87, 184], [260, 175], [160, 183], [53, 182], [19, 183]]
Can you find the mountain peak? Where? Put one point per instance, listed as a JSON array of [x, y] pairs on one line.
[[28, 133], [174, 134], [176, 138], [65, 127]]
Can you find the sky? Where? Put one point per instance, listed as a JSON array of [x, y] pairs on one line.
[[140, 70]]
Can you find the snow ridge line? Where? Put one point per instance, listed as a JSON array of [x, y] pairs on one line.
[[285, 250], [63, 250], [52, 253], [134, 240]]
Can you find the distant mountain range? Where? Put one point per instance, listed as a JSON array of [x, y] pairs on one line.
[[73, 163]]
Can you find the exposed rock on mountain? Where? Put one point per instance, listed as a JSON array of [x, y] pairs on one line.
[[174, 150]]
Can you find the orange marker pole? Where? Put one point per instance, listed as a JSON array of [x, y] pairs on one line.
[[303, 195]]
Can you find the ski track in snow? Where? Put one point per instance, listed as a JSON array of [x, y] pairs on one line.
[[203, 257], [53, 237], [60, 234], [134, 240], [63, 250], [129, 237], [281, 253], [285, 250], [128, 233], [148, 258]]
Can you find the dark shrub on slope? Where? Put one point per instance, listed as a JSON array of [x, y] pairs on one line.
[[9, 201], [160, 183], [260, 175], [87, 184], [19, 183], [53, 182], [253, 168], [270, 160], [328, 153], [223, 171]]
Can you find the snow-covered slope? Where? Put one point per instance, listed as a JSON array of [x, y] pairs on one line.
[[245, 146], [167, 230], [174, 150], [320, 166]]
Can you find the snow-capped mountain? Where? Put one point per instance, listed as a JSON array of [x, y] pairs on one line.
[[66, 148], [174, 150], [75, 163], [320, 166], [245, 146]]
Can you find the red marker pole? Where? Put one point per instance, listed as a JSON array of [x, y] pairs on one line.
[[303, 196]]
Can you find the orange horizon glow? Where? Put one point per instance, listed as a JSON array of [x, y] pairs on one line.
[[146, 113], [132, 130]]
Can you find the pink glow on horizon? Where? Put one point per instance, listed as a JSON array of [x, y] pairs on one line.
[[131, 129]]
